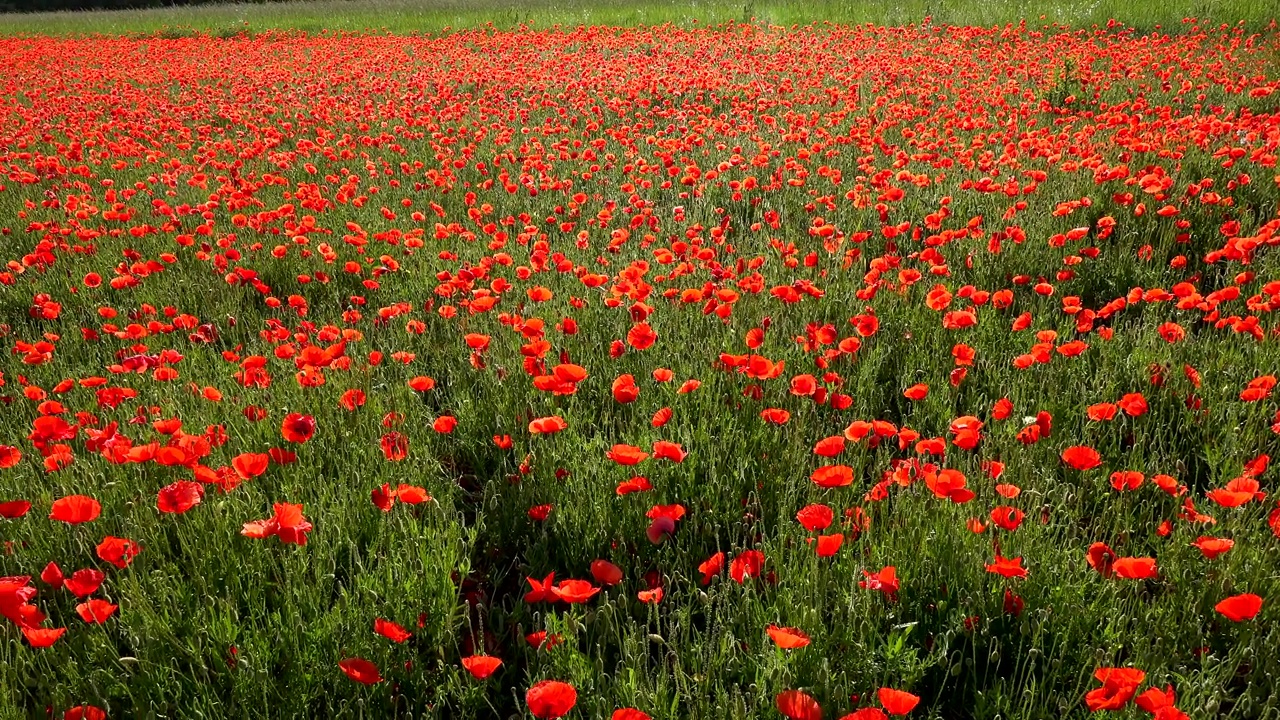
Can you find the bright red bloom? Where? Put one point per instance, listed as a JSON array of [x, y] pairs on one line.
[[605, 572], [575, 591], [711, 567], [481, 666], [897, 702], [787, 638], [42, 637], [1239, 608], [288, 524], [885, 580], [1135, 568], [815, 517], [250, 465], [179, 497], [797, 705], [75, 509], [1213, 547], [1081, 457], [550, 699], [1007, 567], [13, 509], [832, 476], [627, 455], [390, 630], [361, 670], [547, 425], [298, 428], [746, 564], [1118, 687], [95, 611], [83, 583], [118, 551]]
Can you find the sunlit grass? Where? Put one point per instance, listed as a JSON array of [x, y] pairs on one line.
[[407, 16]]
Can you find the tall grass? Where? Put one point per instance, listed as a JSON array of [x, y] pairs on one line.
[[433, 16]]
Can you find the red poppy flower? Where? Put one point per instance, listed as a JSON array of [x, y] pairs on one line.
[[1133, 404], [829, 545], [9, 456], [1238, 491], [788, 638], [629, 714], [84, 583], [797, 705], [179, 497], [52, 575], [635, 484], [288, 524], [885, 580], [95, 611], [625, 390], [118, 551], [815, 518], [477, 341], [641, 336], [575, 591], [395, 446], [14, 509], [75, 509], [950, 485], [1081, 457], [411, 495], [1007, 567], [1213, 547], [897, 702], [481, 666], [42, 637], [746, 564], [547, 425], [775, 416], [1239, 608], [250, 465], [1118, 686], [1158, 702], [390, 630], [711, 567], [1007, 518], [1101, 412], [1135, 568], [1101, 557], [297, 428], [665, 450], [360, 670], [918, 391], [627, 455], [867, 713], [832, 476], [550, 699], [605, 572], [85, 712], [352, 399]]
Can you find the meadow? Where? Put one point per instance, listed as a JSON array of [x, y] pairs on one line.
[[637, 367]]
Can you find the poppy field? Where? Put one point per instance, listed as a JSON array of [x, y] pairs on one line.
[[828, 371]]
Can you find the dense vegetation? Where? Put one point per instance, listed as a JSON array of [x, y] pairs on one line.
[[719, 372]]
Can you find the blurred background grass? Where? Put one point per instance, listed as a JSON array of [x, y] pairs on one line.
[[407, 16]]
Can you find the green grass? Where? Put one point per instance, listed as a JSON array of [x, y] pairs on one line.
[[433, 16]]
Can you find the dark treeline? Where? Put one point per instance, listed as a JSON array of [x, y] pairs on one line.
[[42, 5]]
